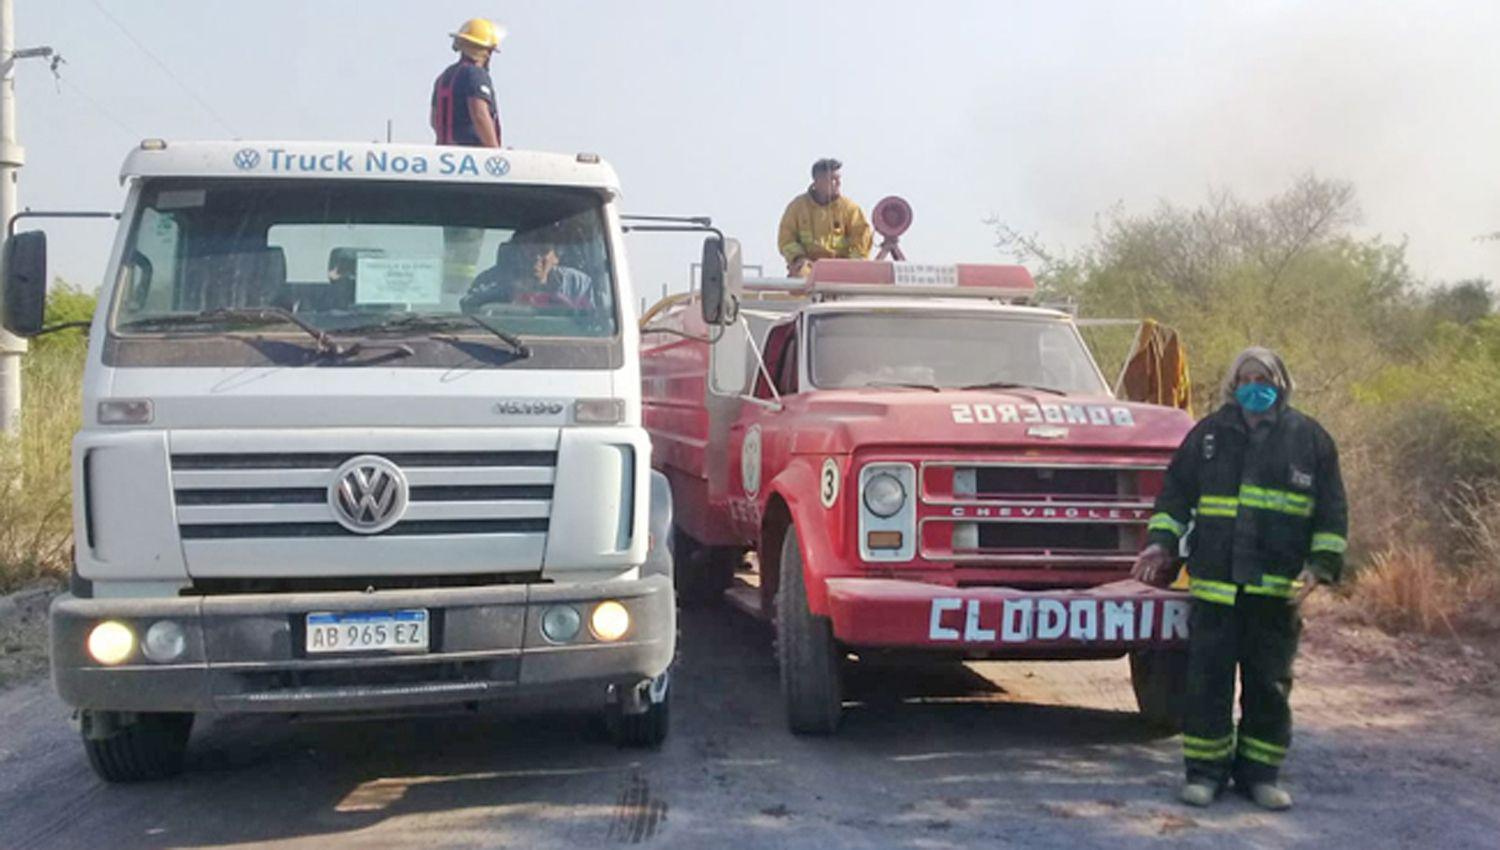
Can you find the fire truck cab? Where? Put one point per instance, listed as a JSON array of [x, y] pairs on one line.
[[918, 461]]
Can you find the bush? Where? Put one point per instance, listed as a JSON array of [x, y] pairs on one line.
[[1406, 377], [36, 518]]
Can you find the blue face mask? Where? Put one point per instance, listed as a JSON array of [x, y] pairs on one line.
[[1255, 398]]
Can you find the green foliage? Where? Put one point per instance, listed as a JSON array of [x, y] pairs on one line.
[[36, 517], [1407, 378], [66, 303]]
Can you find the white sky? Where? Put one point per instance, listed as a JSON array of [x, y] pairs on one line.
[[1042, 113]]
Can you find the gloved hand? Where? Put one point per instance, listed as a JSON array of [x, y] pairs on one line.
[[1154, 566]]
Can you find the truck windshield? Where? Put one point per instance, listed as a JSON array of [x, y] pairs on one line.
[[368, 257], [950, 351]]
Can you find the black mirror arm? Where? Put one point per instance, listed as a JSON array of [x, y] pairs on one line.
[[10, 226], [62, 326]]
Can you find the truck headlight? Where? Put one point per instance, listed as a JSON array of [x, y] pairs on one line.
[[610, 621], [165, 641], [884, 495], [111, 642]]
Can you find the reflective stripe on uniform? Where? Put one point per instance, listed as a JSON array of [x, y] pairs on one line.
[[1327, 542], [1278, 586], [1219, 592], [1165, 522], [1281, 501], [1264, 752], [1223, 506], [1207, 749]]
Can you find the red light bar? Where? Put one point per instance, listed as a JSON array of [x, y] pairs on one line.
[[982, 280]]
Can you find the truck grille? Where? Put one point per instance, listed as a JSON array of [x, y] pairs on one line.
[[255, 504], [237, 496], [1034, 515]]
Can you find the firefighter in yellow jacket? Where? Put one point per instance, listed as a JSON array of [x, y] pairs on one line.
[[822, 223]]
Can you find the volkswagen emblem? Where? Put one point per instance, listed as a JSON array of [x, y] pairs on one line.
[[368, 494], [497, 166], [245, 159]]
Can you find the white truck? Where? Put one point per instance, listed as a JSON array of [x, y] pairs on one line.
[[361, 431]]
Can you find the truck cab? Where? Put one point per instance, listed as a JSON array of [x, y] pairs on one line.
[[361, 431], [920, 462]]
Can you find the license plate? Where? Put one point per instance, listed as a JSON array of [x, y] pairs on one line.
[[367, 631]]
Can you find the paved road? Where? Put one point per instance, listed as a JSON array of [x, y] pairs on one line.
[[988, 756]]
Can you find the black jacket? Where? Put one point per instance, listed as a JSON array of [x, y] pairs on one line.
[[1258, 513]]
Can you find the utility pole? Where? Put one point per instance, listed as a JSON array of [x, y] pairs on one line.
[[12, 157]]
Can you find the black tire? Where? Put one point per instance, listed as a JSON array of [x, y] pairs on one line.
[[151, 748], [809, 656], [703, 573], [647, 730], [1159, 678]]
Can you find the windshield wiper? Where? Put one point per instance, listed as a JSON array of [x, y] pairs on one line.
[[904, 384], [1010, 385], [254, 315], [521, 349], [415, 321]]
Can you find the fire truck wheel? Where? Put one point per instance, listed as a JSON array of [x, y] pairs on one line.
[[151, 747], [809, 655], [1160, 681], [703, 573]]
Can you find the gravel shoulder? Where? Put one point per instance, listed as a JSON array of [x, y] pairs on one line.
[[1396, 746]]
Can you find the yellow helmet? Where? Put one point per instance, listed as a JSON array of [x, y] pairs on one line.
[[479, 32]]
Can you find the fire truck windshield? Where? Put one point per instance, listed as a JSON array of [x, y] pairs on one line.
[[950, 351]]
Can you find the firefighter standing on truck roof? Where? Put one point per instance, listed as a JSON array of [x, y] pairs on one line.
[[822, 223], [463, 97], [1260, 482]]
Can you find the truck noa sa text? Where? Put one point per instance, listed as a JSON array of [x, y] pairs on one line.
[[361, 431], [920, 464]]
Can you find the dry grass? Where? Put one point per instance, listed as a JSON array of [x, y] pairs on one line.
[[1405, 589], [36, 521]]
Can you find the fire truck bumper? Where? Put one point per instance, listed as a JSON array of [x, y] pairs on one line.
[[1104, 621]]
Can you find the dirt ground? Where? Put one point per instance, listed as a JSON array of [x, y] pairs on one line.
[[1397, 746]]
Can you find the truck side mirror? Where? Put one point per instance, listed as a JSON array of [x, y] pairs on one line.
[[722, 274], [25, 287]]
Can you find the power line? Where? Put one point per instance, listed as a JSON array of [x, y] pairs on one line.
[[99, 107], [164, 69]]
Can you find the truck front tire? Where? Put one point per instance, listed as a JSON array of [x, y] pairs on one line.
[[809, 656], [143, 748], [1159, 678]]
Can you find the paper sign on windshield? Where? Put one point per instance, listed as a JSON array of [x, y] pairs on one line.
[[385, 280]]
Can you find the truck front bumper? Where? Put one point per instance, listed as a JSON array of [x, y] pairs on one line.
[[999, 622], [247, 653]]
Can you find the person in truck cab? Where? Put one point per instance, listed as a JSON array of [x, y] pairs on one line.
[[463, 96], [821, 223], [1259, 483], [529, 272]]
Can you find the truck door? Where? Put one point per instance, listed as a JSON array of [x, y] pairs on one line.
[[760, 440]]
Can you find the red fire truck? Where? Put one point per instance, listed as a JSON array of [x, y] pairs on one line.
[[918, 461]]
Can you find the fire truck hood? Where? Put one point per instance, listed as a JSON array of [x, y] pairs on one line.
[[841, 421]]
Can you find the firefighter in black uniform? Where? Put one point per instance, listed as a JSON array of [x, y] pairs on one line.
[[1258, 484], [463, 97]]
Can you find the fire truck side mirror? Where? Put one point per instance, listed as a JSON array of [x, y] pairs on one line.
[[24, 299], [722, 274]]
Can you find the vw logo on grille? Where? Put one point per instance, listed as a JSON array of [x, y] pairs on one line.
[[246, 158], [497, 166], [368, 494]]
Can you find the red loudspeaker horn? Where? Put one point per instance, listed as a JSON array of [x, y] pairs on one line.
[[891, 217]]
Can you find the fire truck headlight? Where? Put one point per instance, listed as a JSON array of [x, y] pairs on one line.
[[884, 495]]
